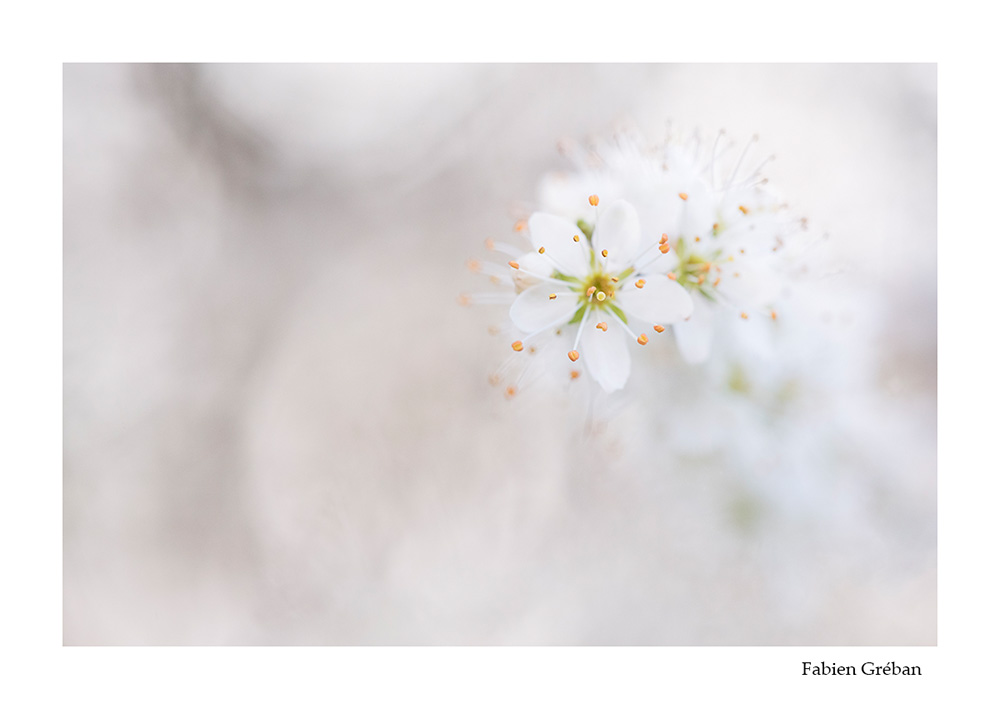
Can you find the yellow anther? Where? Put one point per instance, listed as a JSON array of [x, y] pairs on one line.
[[541, 249], [744, 209], [715, 283], [697, 238], [614, 279], [774, 315], [573, 355], [604, 253], [640, 283], [574, 374], [736, 275], [602, 326], [552, 296], [532, 350], [744, 316], [513, 264], [642, 339], [701, 279], [601, 295], [659, 328], [593, 200], [576, 237], [672, 276], [683, 195], [510, 392], [742, 251], [517, 345]]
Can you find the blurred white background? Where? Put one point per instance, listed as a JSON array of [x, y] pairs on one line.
[[278, 427]]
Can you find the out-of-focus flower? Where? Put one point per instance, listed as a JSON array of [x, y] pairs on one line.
[[728, 229], [595, 281]]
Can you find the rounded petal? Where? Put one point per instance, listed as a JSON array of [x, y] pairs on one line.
[[555, 235], [661, 300], [534, 310], [617, 230], [606, 354], [694, 336]]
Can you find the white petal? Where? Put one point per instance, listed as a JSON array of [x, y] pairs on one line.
[[532, 264], [534, 310], [606, 354], [617, 230], [694, 336], [556, 234], [661, 301]]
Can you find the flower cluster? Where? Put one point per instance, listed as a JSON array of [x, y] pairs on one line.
[[635, 240]]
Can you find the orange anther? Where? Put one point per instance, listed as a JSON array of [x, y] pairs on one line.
[[574, 355], [602, 326], [593, 200], [513, 264], [664, 248], [642, 339], [659, 328], [683, 195], [744, 209], [541, 249], [604, 253], [517, 345], [552, 296], [640, 283], [574, 374], [672, 276]]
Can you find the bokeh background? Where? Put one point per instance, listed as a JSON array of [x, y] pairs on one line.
[[278, 426]]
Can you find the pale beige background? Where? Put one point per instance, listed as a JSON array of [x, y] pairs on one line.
[[278, 428]]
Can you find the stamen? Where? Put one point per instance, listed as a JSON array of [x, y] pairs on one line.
[[744, 316], [774, 315], [490, 244], [513, 264], [602, 326], [744, 209], [672, 276], [659, 328], [701, 279], [697, 238], [573, 355], [715, 283], [511, 391], [521, 225], [591, 291], [604, 253], [640, 283], [593, 200], [576, 238], [541, 249], [642, 339], [683, 195], [517, 345], [574, 374], [614, 279], [552, 296], [663, 239], [474, 265], [664, 248], [464, 299]]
